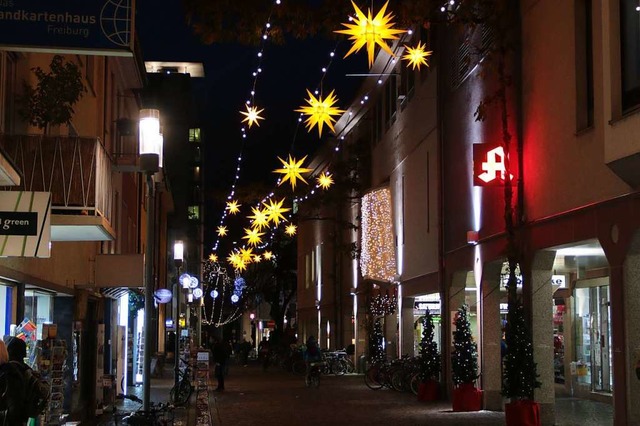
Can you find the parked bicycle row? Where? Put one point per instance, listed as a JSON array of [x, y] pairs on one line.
[[401, 374]]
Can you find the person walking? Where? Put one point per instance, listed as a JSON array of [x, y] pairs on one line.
[[12, 391], [311, 355], [220, 357], [264, 353], [244, 349]]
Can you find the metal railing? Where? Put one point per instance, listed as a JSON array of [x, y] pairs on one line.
[[75, 170]]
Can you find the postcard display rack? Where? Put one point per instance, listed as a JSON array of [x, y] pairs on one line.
[[203, 412], [50, 362]]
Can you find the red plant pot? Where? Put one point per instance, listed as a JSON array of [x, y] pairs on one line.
[[428, 391], [467, 398], [522, 413]]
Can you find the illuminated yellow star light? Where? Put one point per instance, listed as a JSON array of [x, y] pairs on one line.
[[292, 170], [246, 254], [320, 111], [417, 56], [259, 219], [213, 257], [252, 115], [290, 230], [253, 236], [234, 258], [222, 231], [370, 31], [275, 210], [267, 255], [257, 258], [233, 206], [325, 180]]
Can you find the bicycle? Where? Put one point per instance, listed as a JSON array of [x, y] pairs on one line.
[[181, 394], [157, 415], [312, 378]]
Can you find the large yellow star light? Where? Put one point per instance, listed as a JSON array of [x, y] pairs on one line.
[[233, 206], [320, 111], [234, 258], [259, 219], [370, 31], [252, 236], [252, 115], [275, 210], [325, 180], [213, 257], [267, 255], [222, 231], [292, 170], [246, 254], [290, 230], [417, 56]]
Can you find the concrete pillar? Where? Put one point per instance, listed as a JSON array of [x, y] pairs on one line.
[[491, 336], [407, 326], [540, 293], [632, 319]]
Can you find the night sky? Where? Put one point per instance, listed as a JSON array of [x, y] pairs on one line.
[[288, 70]]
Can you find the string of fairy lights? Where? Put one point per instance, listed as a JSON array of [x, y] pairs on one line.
[[363, 30]]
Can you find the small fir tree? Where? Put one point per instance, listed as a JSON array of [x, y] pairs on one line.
[[519, 376], [429, 355], [464, 359], [376, 350]]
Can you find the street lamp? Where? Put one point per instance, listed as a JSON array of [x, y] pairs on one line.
[[178, 258], [150, 141]]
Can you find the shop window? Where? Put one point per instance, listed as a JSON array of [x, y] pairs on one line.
[[630, 54], [38, 307], [6, 302]]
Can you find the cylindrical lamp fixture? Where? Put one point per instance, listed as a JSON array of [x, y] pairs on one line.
[[150, 140], [178, 250]]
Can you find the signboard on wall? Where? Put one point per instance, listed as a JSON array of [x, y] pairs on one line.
[[72, 26], [488, 165], [25, 224]]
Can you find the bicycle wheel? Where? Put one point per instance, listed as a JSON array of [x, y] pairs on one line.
[[338, 367], [299, 367], [414, 383], [397, 380], [183, 393], [315, 379], [372, 378]]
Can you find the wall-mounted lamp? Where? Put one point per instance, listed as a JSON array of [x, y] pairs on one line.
[[472, 237]]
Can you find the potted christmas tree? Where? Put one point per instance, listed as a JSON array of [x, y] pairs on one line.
[[429, 362], [519, 377], [464, 363]]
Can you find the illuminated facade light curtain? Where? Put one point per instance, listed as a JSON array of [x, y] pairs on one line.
[[378, 256]]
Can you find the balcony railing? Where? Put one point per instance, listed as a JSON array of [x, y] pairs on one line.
[[76, 171]]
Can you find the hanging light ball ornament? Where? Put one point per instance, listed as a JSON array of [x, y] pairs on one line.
[[185, 280], [197, 293], [214, 294], [235, 298], [194, 282]]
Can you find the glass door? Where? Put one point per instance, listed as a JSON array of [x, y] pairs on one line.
[[601, 339]]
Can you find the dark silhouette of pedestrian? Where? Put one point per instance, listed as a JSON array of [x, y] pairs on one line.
[[12, 391], [220, 357], [264, 353]]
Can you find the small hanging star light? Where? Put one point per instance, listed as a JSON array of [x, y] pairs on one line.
[[275, 210], [252, 236], [259, 219], [292, 170], [267, 255], [290, 230], [222, 231], [370, 31], [234, 258], [320, 111], [325, 180], [417, 56], [233, 206], [252, 115], [213, 257], [257, 258], [246, 254]]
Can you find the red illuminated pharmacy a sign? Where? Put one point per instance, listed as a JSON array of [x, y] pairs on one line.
[[488, 165]]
